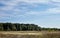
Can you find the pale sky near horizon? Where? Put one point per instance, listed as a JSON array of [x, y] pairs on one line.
[[45, 13]]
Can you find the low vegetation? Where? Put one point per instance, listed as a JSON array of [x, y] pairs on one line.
[[28, 35]]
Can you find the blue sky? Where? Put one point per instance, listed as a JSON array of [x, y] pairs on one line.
[[45, 13]]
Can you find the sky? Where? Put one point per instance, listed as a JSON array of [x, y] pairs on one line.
[[45, 13]]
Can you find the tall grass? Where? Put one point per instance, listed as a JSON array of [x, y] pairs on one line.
[[44, 35], [51, 35]]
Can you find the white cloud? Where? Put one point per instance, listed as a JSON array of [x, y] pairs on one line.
[[33, 1], [54, 10], [46, 12], [37, 1], [56, 0], [10, 5]]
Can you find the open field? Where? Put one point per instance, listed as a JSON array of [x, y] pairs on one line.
[[29, 34]]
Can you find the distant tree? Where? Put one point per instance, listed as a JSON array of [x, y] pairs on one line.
[[1, 27], [23, 27]]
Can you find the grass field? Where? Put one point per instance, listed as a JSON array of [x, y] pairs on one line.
[[29, 34]]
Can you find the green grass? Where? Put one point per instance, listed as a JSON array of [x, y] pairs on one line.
[[29, 34]]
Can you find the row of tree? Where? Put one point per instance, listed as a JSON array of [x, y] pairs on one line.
[[18, 27], [23, 27]]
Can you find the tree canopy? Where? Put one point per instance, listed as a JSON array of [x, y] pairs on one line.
[[23, 27]]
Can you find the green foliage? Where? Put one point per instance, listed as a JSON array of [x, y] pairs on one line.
[[23, 27], [18, 27], [50, 29]]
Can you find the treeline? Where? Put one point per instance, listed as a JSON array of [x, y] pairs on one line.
[[19, 27], [50, 29], [23, 27]]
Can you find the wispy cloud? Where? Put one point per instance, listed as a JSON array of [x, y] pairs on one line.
[[30, 10], [56, 0], [25, 5]]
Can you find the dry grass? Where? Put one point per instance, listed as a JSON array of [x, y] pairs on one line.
[[51, 35], [29, 34]]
